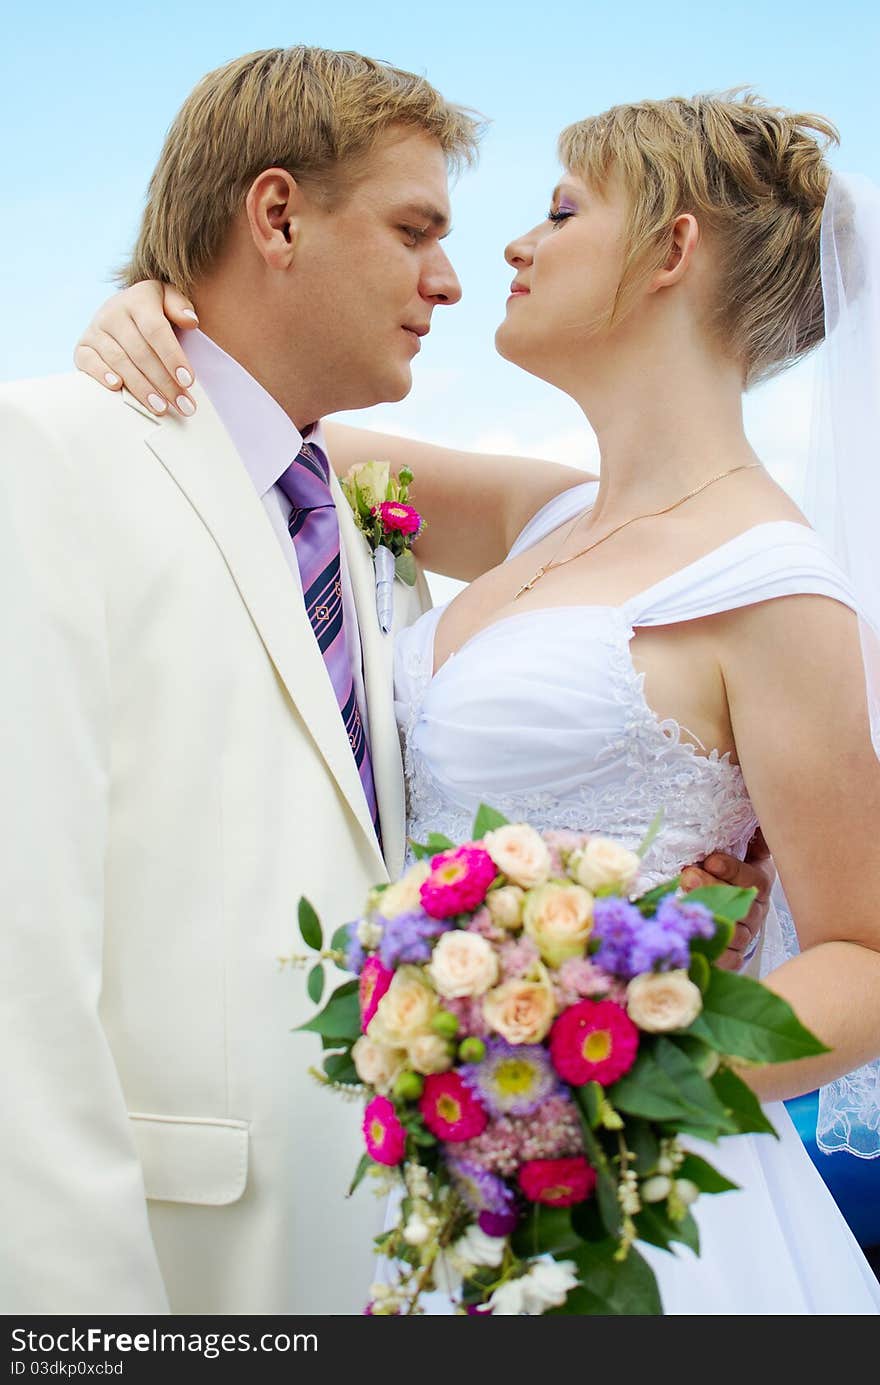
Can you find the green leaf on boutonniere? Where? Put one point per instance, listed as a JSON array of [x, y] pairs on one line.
[[310, 925], [664, 1084], [363, 1165], [739, 1099], [405, 567], [315, 983], [743, 1018], [610, 1287], [706, 1178], [340, 1018], [487, 820]]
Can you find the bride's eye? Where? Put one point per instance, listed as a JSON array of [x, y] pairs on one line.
[[558, 217]]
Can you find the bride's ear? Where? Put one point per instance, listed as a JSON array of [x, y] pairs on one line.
[[271, 207], [683, 241]]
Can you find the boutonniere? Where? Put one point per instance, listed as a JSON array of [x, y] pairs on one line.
[[379, 503]]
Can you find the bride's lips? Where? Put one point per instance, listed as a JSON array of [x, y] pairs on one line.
[[518, 291]]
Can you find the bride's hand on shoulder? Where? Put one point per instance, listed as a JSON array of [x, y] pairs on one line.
[[130, 341]]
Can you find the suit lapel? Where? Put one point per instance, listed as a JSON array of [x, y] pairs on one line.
[[200, 457], [377, 652]]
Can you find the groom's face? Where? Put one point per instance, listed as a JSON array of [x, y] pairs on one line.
[[371, 269]]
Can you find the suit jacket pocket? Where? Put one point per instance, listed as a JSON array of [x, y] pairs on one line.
[[191, 1158]]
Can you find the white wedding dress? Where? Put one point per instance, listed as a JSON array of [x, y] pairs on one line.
[[543, 716]]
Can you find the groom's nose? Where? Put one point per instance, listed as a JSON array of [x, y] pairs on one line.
[[439, 282]]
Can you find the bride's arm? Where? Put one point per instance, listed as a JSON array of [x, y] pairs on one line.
[[474, 504], [796, 689]]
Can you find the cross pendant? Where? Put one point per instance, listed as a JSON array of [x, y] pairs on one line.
[[527, 586]]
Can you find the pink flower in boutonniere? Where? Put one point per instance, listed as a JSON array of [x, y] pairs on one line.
[[401, 519]]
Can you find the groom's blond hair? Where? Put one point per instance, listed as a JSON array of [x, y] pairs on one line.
[[755, 176], [311, 111]]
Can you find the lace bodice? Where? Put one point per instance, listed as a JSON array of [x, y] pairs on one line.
[[543, 715]]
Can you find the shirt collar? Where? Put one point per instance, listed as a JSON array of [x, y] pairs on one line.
[[263, 435]]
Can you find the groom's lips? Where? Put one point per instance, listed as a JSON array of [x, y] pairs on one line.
[[416, 333]]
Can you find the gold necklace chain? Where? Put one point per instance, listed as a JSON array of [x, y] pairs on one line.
[[653, 514]]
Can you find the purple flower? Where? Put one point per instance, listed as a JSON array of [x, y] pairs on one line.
[[354, 952], [616, 924], [690, 918], [409, 938], [512, 1079], [658, 947], [481, 1190], [497, 1223]]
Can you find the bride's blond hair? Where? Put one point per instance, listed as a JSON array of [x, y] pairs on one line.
[[755, 177]]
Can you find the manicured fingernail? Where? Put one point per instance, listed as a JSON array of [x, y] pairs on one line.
[[184, 378], [186, 406], [690, 880], [157, 404], [714, 864], [111, 378], [188, 312]]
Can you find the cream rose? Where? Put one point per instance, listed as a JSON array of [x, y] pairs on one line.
[[520, 853], [603, 864], [377, 1065], [372, 479], [505, 906], [520, 1011], [463, 964], [429, 1053], [405, 1010], [661, 1001], [404, 896], [559, 919]]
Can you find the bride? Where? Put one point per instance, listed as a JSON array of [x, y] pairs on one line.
[[672, 636]]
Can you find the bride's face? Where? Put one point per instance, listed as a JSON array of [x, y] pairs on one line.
[[568, 270]]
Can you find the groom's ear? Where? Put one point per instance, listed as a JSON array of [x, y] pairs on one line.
[[272, 205]]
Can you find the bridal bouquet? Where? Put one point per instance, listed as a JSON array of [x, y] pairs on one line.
[[533, 1040]]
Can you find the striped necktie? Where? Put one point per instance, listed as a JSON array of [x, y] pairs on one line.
[[314, 528]]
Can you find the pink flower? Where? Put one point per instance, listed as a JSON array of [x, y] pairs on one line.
[[374, 982], [579, 977], [468, 1010], [557, 1182], [402, 519], [384, 1135], [450, 1110], [459, 881], [518, 958], [593, 1041], [482, 923]]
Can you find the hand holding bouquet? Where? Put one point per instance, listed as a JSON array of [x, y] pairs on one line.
[[533, 1040]]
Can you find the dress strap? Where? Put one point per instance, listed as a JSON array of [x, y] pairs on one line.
[[779, 558], [563, 507]]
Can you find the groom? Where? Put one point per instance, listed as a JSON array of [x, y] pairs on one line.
[[197, 712]]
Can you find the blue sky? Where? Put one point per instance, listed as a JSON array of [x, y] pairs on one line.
[[88, 91]]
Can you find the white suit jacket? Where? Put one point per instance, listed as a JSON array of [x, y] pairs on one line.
[[175, 774]]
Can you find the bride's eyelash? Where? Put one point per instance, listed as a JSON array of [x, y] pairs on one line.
[[557, 217]]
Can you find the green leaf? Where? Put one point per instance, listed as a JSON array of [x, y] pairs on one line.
[[647, 903], [437, 843], [546, 1230], [363, 1165], [590, 1099], [339, 1067], [665, 1085], [706, 1178], [611, 1287], [419, 850], [700, 971], [727, 902], [655, 1226], [487, 820], [606, 1184], [315, 983], [642, 1141], [651, 834], [405, 567], [712, 948], [340, 1018], [743, 1018], [339, 943], [742, 1102], [310, 925]]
